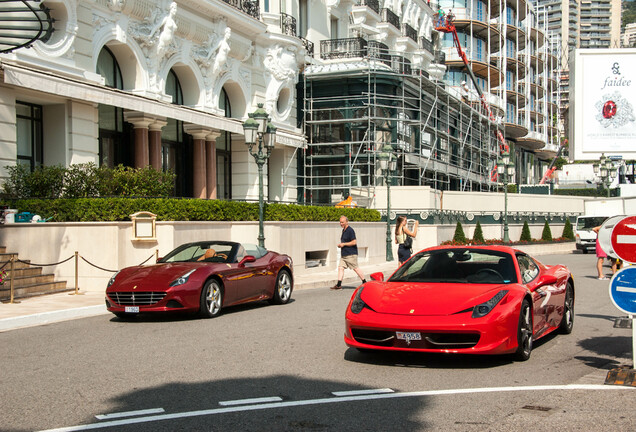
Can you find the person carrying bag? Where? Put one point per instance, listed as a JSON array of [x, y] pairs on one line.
[[404, 238]]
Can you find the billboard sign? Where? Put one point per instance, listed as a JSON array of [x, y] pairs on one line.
[[604, 111]]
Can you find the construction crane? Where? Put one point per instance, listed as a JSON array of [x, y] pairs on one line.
[[446, 24], [552, 168]]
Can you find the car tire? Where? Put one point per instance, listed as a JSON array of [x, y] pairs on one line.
[[283, 288], [211, 299], [567, 322], [524, 332]]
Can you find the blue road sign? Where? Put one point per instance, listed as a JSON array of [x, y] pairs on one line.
[[622, 289]]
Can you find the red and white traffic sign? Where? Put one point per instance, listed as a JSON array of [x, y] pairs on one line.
[[623, 239]]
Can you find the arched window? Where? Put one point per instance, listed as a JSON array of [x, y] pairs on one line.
[[224, 154], [176, 156], [113, 132]]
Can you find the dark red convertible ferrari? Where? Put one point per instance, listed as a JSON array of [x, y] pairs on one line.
[[474, 300], [202, 277]]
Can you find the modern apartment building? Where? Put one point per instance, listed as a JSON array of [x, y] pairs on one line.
[[169, 84]]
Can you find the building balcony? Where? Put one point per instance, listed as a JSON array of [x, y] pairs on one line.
[[532, 140], [374, 5], [288, 24], [331, 49], [517, 128], [250, 7], [480, 68], [388, 16], [538, 36]]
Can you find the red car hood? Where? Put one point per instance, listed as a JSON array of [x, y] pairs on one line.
[[409, 298], [154, 277]]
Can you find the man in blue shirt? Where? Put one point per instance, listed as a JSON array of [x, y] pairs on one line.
[[348, 253]]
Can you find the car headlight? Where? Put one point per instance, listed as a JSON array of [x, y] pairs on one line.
[[485, 308], [181, 279], [112, 280], [357, 304]]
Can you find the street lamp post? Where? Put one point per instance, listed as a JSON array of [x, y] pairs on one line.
[[259, 130], [505, 171], [388, 164], [606, 172]]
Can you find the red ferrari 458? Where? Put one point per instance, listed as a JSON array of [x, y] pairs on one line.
[[202, 277], [475, 299]]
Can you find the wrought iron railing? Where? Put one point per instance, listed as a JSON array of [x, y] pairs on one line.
[[309, 46], [379, 51], [373, 4], [343, 48], [409, 32], [390, 17], [288, 24], [250, 7], [426, 45]]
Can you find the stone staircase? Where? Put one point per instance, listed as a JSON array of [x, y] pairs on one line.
[[28, 281]]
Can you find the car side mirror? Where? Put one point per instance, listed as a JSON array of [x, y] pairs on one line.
[[379, 276], [547, 279], [247, 259], [159, 259]]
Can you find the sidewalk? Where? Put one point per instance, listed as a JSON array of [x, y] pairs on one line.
[[64, 306]]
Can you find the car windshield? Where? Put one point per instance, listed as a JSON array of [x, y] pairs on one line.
[[461, 265], [587, 223], [206, 252]]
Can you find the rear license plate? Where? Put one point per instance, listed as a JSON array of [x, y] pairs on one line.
[[408, 336], [131, 309]]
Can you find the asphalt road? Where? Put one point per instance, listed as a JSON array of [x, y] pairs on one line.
[[281, 368]]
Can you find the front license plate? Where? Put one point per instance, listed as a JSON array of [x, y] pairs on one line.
[[131, 309], [409, 336]]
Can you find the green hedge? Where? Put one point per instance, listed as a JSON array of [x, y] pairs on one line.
[[174, 209]]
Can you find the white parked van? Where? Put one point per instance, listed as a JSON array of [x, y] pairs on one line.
[[585, 237]]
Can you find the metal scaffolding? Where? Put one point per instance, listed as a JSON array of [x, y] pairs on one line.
[[442, 137]]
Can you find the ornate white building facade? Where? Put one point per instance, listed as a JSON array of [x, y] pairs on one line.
[[160, 83]]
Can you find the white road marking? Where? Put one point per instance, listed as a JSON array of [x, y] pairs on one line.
[[626, 289], [250, 401], [330, 400], [362, 392], [129, 413], [626, 239]]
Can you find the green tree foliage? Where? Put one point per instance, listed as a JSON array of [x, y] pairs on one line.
[[478, 236], [546, 235], [525, 233], [459, 236], [568, 233], [87, 180]]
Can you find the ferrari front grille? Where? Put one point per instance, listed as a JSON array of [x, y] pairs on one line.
[[432, 341], [143, 298]]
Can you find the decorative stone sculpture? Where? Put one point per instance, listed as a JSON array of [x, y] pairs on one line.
[[168, 26]]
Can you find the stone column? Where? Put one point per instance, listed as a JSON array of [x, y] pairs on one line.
[[199, 176], [154, 145], [140, 122], [210, 163]]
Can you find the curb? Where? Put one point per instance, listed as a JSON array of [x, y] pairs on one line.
[[50, 317]]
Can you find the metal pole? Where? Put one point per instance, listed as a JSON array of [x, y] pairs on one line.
[[633, 341], [389, 249], [260, 161], [11, 269], [506, 237]]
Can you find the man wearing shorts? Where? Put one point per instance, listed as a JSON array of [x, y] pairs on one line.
[[348, 253]]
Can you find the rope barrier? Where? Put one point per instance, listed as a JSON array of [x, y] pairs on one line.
[[76, 256], [44, 265], [96, 266]]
